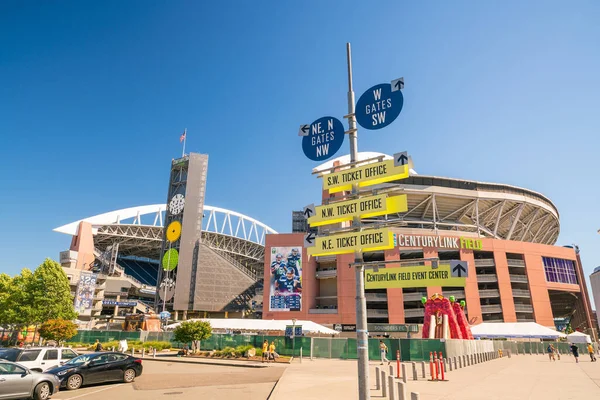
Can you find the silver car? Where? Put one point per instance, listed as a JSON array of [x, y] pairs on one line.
[[18, 382]]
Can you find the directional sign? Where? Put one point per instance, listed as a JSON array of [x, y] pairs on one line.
[[324, 139], [397, 84], [412, 277], [368, 240], [304, 130], [459, 269], [366, 175], [309, 211], [379, 106], [401, 159], [310, 239], [365, 207]]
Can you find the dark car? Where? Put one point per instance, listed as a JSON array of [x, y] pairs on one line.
[[101, 367]]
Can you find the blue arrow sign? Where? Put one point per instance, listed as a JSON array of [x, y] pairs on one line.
[[324, 138], [379, 106]]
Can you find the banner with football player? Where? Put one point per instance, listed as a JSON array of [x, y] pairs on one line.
[[285, 283]]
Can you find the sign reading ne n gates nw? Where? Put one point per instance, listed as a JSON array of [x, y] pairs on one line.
[[365, 207], [411, 277], [367, 240], [365, 175]]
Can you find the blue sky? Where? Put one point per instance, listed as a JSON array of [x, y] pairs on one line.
[[94, 96]]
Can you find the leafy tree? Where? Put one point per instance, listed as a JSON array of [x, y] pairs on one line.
[[194, 332], [58, 330], [51, 294]]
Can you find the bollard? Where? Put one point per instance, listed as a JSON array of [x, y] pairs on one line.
[[391, 387], [414, 396], [391, 370], [113, 348], [510, 353], [436, 361], [401, 391], [143, 352], [431, 367], [450, 365], [423, 369], [404, 373], [377, 379], [459, 362], [398, 363], [383, 385], [414, 369], [132, 351], [154, 353], [442, 367], [300, 355]]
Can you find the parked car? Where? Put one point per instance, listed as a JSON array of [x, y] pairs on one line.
[[18, 382], [100, 367], [39, 358]]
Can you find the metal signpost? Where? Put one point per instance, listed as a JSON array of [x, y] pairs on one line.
[[377, 108]]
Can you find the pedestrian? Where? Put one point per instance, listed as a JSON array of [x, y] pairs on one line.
[[590, 350], [383, 351], [265, 351], [550, 351], [98, 347], [575, 351], [272, 351]]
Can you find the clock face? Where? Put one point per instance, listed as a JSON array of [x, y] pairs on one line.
[[176, 204]]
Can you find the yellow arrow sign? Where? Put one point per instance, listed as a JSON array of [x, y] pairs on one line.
[[365, 207], [411, 277], [366, 175], [369, 240]]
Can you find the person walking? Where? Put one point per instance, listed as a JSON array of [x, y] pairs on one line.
[[550, 351], [265, 351], [575, 352], [590, 350], [272, 351], [98, 347], [383, 351]]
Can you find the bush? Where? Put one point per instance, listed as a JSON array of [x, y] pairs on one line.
[[228, 351], [137, 344], [217, 353], [241, 350], [259, 352]]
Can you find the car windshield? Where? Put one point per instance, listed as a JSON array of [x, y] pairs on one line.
[[9, 354], [79, 360]]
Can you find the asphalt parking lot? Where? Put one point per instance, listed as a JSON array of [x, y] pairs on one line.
[[166, 380]]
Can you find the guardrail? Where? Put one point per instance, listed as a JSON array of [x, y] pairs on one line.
[[376, 313], [528, 308], [326, 273], [487, 278], [515, 263], [487, 293], [521, 293], [376, 297], [485, 262], [518, 278], [413, 296], [493, 308], [414, 312], [323, 311]]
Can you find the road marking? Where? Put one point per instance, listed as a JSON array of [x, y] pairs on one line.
[[97, 391]]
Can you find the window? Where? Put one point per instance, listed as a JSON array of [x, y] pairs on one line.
[[67, 354], [9, 354], [116, 357], [51, 355], [29, 355], [10, 369], [559, 270]]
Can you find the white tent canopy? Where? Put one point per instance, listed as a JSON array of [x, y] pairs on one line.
[[514, 330], [259, 325], [579, 337]]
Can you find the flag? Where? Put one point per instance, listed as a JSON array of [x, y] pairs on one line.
[[182, 137]]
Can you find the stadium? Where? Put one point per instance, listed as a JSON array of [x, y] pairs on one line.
[[516, 272]]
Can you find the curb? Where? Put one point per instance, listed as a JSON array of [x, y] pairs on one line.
[[176, 360], [275, 389]]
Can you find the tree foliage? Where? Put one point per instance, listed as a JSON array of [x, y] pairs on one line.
[[58, 330], [193, 331], [35, 297]]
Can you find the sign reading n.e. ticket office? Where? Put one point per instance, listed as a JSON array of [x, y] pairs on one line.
[[367, 240], [411, 277], [365, 175]]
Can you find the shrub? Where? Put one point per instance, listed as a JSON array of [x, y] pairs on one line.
[[241, 350], [259, 352], [228, 351]]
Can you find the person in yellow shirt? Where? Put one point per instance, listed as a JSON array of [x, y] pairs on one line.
[[265, 351], [590, 350], [272, 351]]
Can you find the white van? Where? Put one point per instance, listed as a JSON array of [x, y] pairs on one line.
[[38, 358]]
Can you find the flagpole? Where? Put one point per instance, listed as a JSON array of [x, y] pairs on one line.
[[184, 139]]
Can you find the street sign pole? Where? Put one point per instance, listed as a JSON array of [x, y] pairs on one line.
[[362, 347]]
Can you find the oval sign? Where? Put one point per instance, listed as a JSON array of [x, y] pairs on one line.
[[324, 139], [378, 107]]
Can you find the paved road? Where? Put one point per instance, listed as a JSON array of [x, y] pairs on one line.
[[178, 381]]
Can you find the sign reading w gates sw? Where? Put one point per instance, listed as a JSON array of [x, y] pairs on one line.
[[380, 105]]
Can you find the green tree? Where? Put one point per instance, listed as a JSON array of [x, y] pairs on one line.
[[194, 332], [50, 293], [58, 330]]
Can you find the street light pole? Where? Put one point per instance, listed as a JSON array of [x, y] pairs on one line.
[[293, 337], [362, 343]]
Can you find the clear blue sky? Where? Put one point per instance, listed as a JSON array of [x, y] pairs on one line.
[[94, 96]]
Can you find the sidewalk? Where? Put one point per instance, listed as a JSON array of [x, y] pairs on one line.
[[520, 377]]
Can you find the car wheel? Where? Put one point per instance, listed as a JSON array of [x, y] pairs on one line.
[[129, 375], [42, 391], [74, 382]]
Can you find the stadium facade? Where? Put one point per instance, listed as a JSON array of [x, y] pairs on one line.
[[506, 234]]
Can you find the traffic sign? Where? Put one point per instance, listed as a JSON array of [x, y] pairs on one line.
[[459, 269], [324, 139], [412, 277], [367, 240], [309, 211], [400, 159], [365, 175], [379, 106], [304, 130], [309, 239], [397, 84], [365, 207]]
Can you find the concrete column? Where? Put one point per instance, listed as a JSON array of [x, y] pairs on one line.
[[414, 370], [391, 370], [391, 387], [401, 391], [383, 385], [423, 369], [404, 373], [377, 379]]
